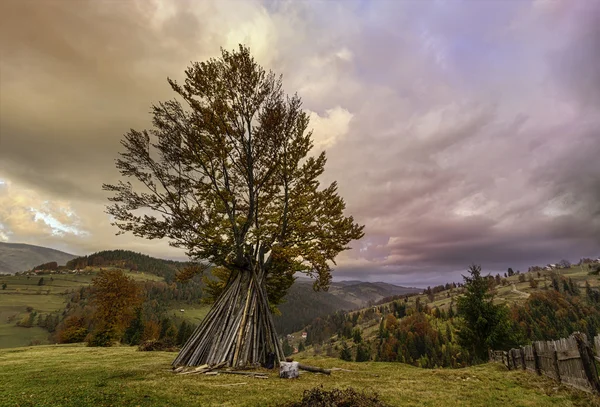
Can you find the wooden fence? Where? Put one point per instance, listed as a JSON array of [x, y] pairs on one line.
[[570, 361]]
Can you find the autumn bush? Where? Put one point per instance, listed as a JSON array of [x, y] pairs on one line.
[[317, 397], [73, 329]]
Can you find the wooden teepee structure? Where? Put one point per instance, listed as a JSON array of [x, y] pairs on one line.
[[238, 329]]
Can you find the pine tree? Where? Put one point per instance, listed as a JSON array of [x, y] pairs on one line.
[[356, 335], [133, 333], [345, 353], [363, 352], [485, 325]]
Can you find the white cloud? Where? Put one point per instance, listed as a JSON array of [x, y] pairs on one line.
[[330, 128], [24, 213]]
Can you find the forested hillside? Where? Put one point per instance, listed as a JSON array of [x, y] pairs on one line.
[[127, 259], [302, 304], [425, 330]]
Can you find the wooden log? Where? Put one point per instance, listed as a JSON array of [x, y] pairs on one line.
[[288, 370], [204, 369], [314, 369], [199, 369], [252, 374]]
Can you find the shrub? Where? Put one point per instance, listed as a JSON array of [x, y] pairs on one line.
[[317, 397], [73, 334], [102, 337], [72, 329]]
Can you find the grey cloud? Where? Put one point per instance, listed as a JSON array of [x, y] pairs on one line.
[[472, 137], [577, 63]]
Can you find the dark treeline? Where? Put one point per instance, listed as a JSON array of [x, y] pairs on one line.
[[127, 259], [47, 266]]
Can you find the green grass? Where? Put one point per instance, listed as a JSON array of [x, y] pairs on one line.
[[192, 313], [12, 336], [74, 375]]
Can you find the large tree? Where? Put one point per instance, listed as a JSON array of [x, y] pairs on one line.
[[227, 174]]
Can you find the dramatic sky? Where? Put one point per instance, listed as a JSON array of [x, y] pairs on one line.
[[459, 131]]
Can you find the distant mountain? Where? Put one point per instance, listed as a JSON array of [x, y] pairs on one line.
[[15, 257], [302, 304], [361, 293]]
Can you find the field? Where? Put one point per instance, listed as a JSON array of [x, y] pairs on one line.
[[74, 375], [192, 313], [23, 291]]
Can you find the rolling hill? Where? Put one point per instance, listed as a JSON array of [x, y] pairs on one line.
[[302, 304], [362, 293], [544, 304], [15, 257]]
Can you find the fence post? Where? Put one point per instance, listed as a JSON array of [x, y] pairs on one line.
[[587, 359], [555, 363], [522, 350], [536, 360]]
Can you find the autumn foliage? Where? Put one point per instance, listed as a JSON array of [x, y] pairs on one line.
[[116, 297]]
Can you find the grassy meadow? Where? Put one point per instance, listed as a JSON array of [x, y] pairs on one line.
[[75, 375], [23, 291]]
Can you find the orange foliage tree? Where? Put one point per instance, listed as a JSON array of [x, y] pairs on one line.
[[116, 297]]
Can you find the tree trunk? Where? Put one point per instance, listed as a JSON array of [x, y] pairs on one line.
[[238, 329]]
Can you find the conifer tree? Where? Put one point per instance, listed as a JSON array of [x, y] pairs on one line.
[[345, 353], [485, 324]]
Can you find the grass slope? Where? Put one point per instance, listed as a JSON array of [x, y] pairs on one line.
[[15, 257], [74, 375], [22, 292]]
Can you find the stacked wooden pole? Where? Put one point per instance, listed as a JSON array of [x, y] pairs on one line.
[[238, 330]]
